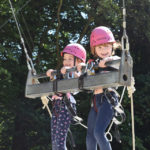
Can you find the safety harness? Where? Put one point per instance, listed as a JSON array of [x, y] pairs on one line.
[[119, 114], [110, 94]]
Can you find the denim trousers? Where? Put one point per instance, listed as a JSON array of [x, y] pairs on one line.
[[97, 124]]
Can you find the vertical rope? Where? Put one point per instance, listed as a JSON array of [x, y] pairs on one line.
[[131, 89], [132, 116]]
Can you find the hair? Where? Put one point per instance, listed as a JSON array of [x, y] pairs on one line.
[[78, 59], [116, 45]]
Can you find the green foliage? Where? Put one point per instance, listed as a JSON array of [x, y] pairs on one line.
[[24, 125]]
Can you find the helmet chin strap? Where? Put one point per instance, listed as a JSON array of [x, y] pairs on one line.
[[75, 58], [99, 58]]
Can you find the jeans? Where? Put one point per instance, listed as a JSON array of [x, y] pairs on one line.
[[97, 124]]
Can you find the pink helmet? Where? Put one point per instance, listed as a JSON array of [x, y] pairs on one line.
[[101, 35], [75, 49]]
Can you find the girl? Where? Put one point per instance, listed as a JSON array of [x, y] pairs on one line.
[[101, 113], [73, 55]]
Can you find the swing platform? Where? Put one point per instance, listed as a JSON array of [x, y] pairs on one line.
[[116, 78]]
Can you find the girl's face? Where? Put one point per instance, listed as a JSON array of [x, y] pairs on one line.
[[68, 60], [104, 50]]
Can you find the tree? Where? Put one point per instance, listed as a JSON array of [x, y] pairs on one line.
[[47, 27]]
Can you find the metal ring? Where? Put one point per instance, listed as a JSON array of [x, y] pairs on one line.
[[109, 136]]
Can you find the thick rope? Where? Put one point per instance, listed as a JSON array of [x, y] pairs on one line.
[[45, 101], [131, 89]]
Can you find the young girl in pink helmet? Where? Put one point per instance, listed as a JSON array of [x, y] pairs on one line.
[[101, 113], [73, 55]]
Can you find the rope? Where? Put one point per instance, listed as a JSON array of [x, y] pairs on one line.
[[132, 116], [122, 94], [16, 13], [28, 59], [131, 89], [30, 66], [125, 47], [31, 40], [45, 101]]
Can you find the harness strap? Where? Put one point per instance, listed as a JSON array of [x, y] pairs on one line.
[[72, 139], [117, 134], [94, 103], [81, 82], [119, 116], [70, 109], [53, 104], [55, 85], [76, 118]]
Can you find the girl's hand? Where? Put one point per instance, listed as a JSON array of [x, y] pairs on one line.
[[103, 61], [49, 73], [80, 67], [63, 70]]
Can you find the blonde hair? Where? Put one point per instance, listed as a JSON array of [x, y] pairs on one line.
[[116, 45]]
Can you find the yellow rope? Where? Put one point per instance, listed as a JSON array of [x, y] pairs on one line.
[[45, 101]]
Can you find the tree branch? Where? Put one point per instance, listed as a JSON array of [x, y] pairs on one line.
[[57, 32], [90, 19]]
